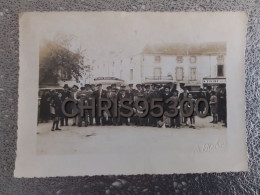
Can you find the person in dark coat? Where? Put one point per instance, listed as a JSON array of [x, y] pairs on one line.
[[183, 95], [201, 106], [175, 121], [131, 94], [214, 107], [139, 91], [166, 95], [131, 91], [89, 96], [156, 94], [82, 97], [222, 107], [74, 108], [123, 119], [147, 96], [65, 94], [208, 96], [45, 107], [99, 93], [112, 97], [56, 103]]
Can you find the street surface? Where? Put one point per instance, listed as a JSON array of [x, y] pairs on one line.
[[130, 140]]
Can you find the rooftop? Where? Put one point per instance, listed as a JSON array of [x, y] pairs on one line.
[[183, 49]]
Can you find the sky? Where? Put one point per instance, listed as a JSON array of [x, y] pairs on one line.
[[107, 36]]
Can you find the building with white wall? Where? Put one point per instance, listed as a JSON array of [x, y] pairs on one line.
[[186, 63]]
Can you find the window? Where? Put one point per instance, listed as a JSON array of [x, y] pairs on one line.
[[179, 73], [131, 74], [193, 74], [157, 73], [64, 75], [220, 70], [220, 59], [179, 59], [157, 58], [193, 59]]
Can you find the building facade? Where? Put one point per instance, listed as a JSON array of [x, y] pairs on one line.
[[183, 63]]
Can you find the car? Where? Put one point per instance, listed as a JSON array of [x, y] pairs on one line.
[[163, 81], [194, 89], [108, 81]]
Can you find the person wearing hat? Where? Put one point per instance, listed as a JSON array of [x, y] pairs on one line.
[[113, 87], [99, 93], [201, 106], [82, 97], [137, 120], [74, 107], [155, 94], [222, 107], [56, 104], [89, 97], [183, 95], [131, 91], [122, 119], [175, 121], [122, 88], [117, 89], [166, 94], [143, 87], [65, 95], [93, 87], [139, 90], [213, 107], [112, 97], [152, 87], [147, 95], [208, 96]]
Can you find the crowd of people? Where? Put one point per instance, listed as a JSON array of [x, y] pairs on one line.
[[50, 107]]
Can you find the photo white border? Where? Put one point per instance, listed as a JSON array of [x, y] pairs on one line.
[[232, 30]]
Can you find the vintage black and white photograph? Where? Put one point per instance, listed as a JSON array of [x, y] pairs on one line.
[[132, 93]]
